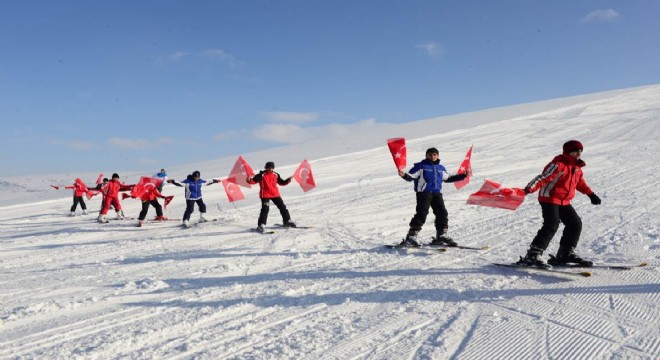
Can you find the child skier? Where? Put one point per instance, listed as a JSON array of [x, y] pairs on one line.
[[150, 197], [163, 176], [111, 198], [193, 185], [268, 181], [428, 176], [558, 182], [79, 189]]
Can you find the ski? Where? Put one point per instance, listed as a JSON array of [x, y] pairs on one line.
[[265, 232], [549, 271], [294, 227], [604, 266], [420, 248], [458, 247]]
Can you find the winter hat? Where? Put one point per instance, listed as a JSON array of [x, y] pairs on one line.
[[432, 151], [115, 176], [572, 145], [196, 173], [270, 165]]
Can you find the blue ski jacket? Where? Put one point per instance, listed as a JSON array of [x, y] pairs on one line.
[[429, 176], [193, 188]]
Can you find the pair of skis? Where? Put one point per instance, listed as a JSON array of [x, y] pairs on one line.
[[559, 269], [435, 248]]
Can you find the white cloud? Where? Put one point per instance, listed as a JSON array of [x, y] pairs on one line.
[[177, 56], [219, 54], [136, 144], [295, 134], [209, 54], [608, 15], [76, 145], [291, 117], [432, 49], [227, 135]]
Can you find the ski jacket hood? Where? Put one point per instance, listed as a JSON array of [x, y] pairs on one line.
[[79, 187], [559, 181]]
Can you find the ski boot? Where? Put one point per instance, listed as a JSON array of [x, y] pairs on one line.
[[411, 239], [441, 239], [569, 258], [139, 224], [202, 219], [186, 223], [160, 218], [289, 223], [73, 213], [260, 228], [102, 219], [84, 212], [120, 214], [533, 259]]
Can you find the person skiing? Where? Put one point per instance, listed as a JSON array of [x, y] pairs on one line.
[[428, 176], [111, 198], [163, 176], [150, 197], [268, 181], [193, 185], [558, 183], [79, 189]]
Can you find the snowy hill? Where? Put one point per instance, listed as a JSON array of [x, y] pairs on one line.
[[73, 288]]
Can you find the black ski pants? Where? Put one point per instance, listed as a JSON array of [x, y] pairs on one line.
[[190, 207], [265, 207], [552, 216], [145, 209], [76, 200], [435, 202]]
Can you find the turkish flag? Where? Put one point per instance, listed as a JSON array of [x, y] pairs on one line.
[[234, 193], [91, 193], [240, 172], [125, 196], [494, 195], [168, 199], [99, 179], [398, 149], [55, 187], [304, 176], [466, 166], [145, 184]]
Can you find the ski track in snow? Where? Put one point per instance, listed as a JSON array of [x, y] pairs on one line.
[[72, 288]]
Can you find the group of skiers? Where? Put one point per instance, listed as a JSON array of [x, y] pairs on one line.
[[268, 181], [556, 185]]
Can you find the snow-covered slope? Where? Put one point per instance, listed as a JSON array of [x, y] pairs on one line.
[[72, 288]]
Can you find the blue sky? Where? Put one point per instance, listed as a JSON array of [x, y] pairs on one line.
[[139, 85]]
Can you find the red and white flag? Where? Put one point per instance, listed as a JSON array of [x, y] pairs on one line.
[[304, 176], [466, 166], [145, 184], [240, 172], [398, 150], [234, 193], [168, 199], [494, 195], [99, 179]]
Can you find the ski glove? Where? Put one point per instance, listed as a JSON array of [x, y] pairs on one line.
[[594, 199], [528, 190]]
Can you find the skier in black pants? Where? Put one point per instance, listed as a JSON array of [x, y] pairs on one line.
[[428, 176], [558, 183], [193, 185]]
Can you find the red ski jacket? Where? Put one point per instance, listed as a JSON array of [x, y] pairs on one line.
[[151, 194], [79, 188], [114, 187], [559, 180], [268, 181]]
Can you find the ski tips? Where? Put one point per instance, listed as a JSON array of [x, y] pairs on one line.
[[485, 247], [643, 264], [585, 273]]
